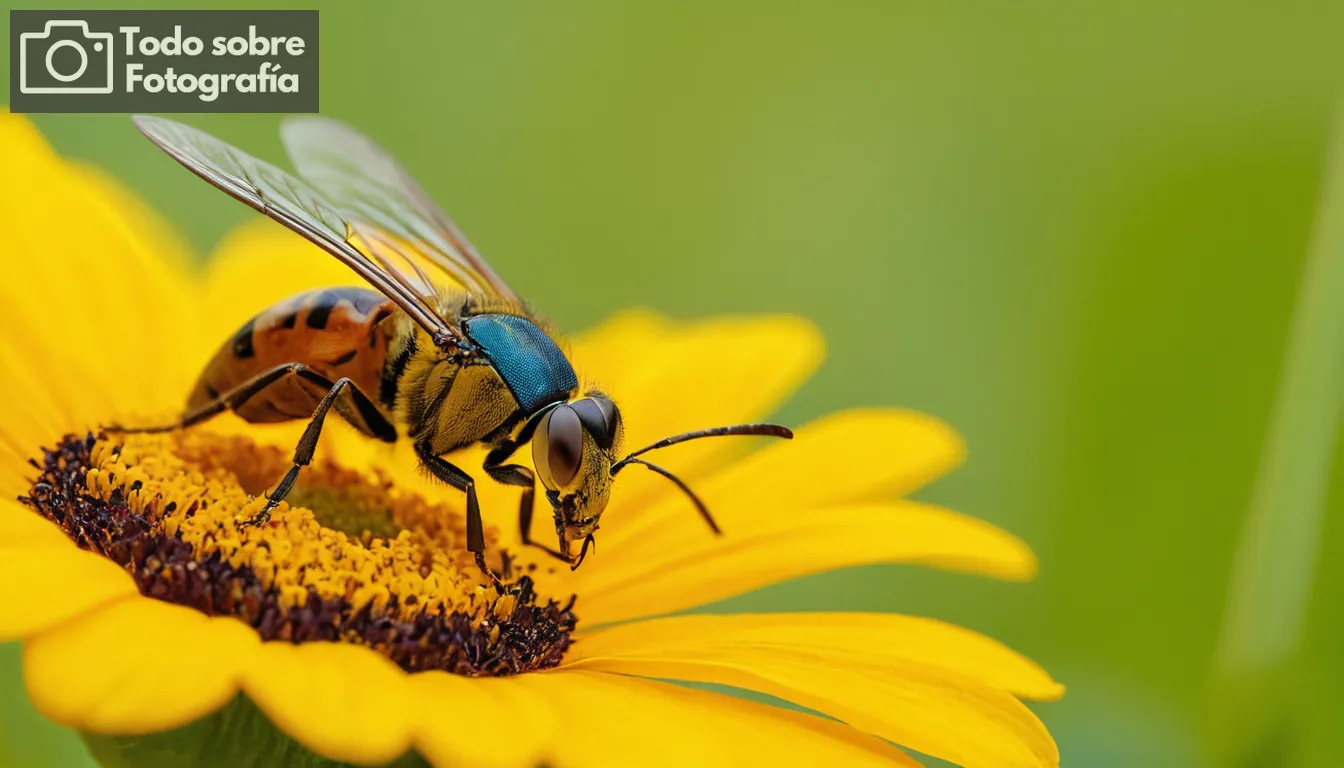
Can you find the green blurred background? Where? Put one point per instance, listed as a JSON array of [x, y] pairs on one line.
[[1073, 231]]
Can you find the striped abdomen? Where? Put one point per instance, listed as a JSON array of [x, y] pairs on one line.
[[337, 332]]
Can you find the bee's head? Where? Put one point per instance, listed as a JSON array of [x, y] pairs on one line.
[[574, 447]]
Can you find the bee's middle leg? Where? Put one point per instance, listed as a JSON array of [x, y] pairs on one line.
[[359, 411], [459, 479]]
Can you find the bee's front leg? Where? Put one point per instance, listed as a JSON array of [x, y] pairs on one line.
[[456, 477], [521, 477], [583, 551]]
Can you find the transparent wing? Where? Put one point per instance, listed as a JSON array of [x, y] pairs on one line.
[[299, 206], [365, 179]]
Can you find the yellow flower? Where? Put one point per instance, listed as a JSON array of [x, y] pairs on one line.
[[164, 630]]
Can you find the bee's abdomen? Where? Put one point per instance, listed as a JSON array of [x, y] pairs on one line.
[[338, 332]]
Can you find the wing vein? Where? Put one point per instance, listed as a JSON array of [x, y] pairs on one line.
[[298, 205]]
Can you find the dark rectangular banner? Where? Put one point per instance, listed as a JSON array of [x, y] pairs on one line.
[[163, 61]]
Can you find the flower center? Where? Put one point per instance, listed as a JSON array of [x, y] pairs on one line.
[[346, 560]]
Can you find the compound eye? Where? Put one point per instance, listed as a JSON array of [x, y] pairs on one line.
[[557, 448]]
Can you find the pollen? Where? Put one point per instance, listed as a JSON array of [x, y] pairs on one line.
[[354, 559]]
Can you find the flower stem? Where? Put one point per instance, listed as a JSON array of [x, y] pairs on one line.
[[1276, 559]]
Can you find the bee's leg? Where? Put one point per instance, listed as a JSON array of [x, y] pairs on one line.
[[452, 475], [517, 474], [232, 400], [525, 531], [359, 407]]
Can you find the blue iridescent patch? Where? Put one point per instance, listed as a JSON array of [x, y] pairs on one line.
[[528, 361]]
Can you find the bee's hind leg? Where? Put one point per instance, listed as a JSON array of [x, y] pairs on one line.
[[454, 476], [232, 400]]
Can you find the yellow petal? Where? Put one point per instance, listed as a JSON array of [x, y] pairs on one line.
[[52, 583], [481, 722], [137, 666], [20, 140], [344, 702], [928, 709], [617, 721], [160, 237], [113, 315], [22, 527], [709, 374], [715, 372], [856, 455], [12, 480], [848, 640], [619, 346], [862, 453], [15, 471], [55, 405], [51, 402], [796, 543], [93, 305]]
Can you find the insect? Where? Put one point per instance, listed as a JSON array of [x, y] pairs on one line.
[[437, 349]]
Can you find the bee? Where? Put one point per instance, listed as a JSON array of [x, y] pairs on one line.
[[442, 361]]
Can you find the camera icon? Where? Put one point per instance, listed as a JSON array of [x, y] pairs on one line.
[[65, 57]]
